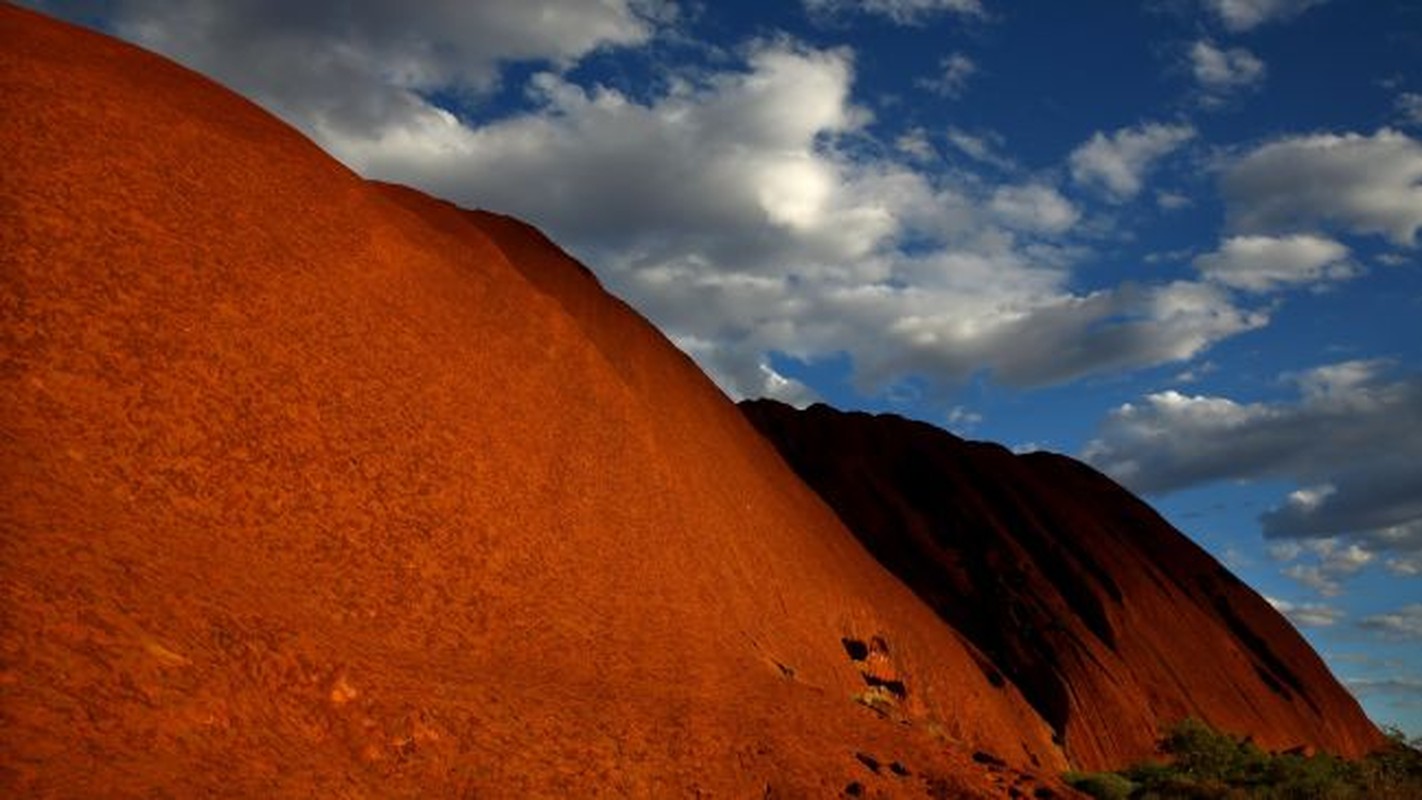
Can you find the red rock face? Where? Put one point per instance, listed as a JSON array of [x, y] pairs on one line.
[[317, 487], [1111, 622]]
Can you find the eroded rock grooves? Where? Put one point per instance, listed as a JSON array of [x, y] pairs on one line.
[[318, 487], [1111, 622]]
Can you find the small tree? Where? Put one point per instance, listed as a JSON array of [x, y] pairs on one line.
[[1204, 753]]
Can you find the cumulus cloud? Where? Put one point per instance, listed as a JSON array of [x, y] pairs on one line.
[[1351, 441], [752, 233], [1327, 563], [1404, 623], [1307, 615], [1362, 184], [954, 71], [903, 12], [736, 154], [337, 68], [1265, 263], [1033, 207], [982, 316], [1242, 15], [1388, 505], [1409, 108], [735, 206], [1118, 163], [1222, 72]]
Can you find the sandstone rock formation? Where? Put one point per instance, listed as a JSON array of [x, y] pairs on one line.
[[318, 487], [1111, 622], [312, 486]]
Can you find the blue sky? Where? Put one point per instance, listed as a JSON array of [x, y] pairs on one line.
[[1177, 238]]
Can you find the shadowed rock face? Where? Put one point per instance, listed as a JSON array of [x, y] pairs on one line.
[[316, 487], [1111, 622]]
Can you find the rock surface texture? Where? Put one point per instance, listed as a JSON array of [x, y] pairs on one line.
[[1110, 621], [319, 487]]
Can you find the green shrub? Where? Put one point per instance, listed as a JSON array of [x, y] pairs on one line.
[[1205, 764], [1204, 754], [1102, 785]]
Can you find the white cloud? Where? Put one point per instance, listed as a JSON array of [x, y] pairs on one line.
[[1307, 615], [954, 71], [740, 376], [1408, 566], [1380, 500], [1404, 623], [961, 420], [916, 144], [1173, 441], [1265, 263], [1315, 578], [1310, 498], [1351, 440], [904, 12], [1118, 163], [987, 314], [1363, 184], [736, 155], [1409, 108], [1033, 207], [735, 207], [983, 147], [1285, 551], [1348, 559], [1172, 201], [1196, 373], [1221, 72], [339, 67], [753, 234], [1333, 562], [1241, 15]]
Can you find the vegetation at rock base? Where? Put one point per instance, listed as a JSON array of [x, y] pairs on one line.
[[1201, 763]]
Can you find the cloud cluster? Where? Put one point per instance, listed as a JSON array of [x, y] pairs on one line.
[[1280, 195], [338, 68], [983, 147], [1307, 615], [1409, 108], [1117, 163], [1264, 263], [903, 12], [732, 206], [954, 71], [1322, 564], [739, 206], [1242, 15], [743, 227], [737, 153], [1406, 566], [1222, 72], [1404, 623], [1351, 440], [1351, 182]]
